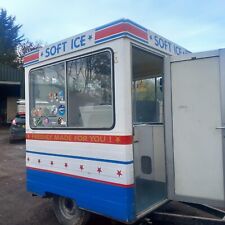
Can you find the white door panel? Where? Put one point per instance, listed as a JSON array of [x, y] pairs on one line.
[[197, 144]]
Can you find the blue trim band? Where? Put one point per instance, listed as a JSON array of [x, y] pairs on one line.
[[121, 21], [109, 24], [136, 24], [81, 157], [124, 34], [32, 52], [31, 62], [137, 38], [112, 201]]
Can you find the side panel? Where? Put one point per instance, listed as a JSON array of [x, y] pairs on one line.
[[150, 143], [93, 167], [196, 167]]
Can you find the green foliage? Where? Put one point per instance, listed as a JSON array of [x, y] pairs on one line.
[[145, 90], [9, 39]]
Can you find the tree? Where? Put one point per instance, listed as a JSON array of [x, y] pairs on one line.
[[25, 47], [9, 39]]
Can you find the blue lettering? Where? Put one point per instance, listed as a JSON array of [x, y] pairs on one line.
[[58, 47], [71, 44], [77, 45], [82, 40], [160, 42], [78, 42], [156, 41], [64, 45], [53, 50], [47, 52], [168, 45], [177, 50]]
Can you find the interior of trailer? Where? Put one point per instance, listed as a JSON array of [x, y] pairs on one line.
[[148, 124]]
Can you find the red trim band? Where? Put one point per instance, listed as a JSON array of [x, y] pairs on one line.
[[31, 57], [84, 178], [87, 138], [124, 27]]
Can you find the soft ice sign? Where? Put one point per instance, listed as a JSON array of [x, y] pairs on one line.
[[71, 44], [165, 45]]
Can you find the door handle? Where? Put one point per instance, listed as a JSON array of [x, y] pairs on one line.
[[136, 141]]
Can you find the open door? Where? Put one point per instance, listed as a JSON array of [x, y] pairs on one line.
[[148, 127], [194, 127]]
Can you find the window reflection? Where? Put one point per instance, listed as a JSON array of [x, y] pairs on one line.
[[47, 96], [90, 91], [148, 100]]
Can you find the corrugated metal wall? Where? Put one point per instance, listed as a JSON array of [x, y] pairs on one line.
[[10, 74]]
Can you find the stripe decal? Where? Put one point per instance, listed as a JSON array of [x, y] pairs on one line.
[[81, 157], [97, 197], [120, 21], [83, 178], [31, 58], [123, 27], [101, 139], [119, 35]]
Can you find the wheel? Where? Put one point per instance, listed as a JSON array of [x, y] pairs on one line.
[[68, 213]]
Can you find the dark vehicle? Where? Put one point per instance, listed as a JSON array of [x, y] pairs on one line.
[[17, 128]]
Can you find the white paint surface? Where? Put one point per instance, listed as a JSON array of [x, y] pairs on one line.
[[150, 143], [196, 114]]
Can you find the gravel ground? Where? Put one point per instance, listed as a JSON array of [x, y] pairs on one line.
[[18, 207]]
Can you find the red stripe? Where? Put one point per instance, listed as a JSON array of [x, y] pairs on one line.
[[84, 178], [86, 138], [32, 57], [124, 27]]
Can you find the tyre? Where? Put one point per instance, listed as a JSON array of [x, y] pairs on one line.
[[68, 213]]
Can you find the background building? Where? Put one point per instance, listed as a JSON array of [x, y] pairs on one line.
[[11, 89]]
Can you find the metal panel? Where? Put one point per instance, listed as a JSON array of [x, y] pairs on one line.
[[143, 145], [222, 100], [169, 131], [9, 74], [197, 143]]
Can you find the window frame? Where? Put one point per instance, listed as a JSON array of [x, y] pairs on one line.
[[110, 50]]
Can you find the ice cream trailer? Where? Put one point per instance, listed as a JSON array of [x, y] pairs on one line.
[[119, 120]]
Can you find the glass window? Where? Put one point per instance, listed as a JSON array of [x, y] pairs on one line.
[[148, 100], [90, 99], [86, 103], [47, 97]]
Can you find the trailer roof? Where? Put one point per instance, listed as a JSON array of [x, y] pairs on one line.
[[108, 32]]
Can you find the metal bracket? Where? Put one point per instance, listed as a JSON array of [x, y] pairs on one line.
[[220, 127]]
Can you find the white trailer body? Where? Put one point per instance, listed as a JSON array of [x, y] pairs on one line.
[[155, 132]]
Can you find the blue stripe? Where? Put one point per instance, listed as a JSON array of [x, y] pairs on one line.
[[111, 201], [124, 34], [31, 62], [32, 52], [81, 157], [136, 24], [120, 21], [137, 38], [109, 24]]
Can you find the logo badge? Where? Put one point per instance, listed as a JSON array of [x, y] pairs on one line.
[[61, 110]]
